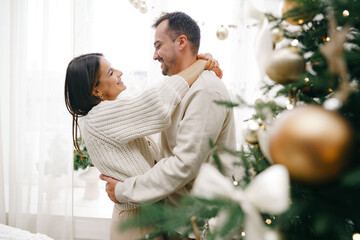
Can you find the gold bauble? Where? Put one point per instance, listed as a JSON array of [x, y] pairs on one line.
[[303, 17], [250, 131], [222, 33], [285, 65], [277, 35], [313, 143]]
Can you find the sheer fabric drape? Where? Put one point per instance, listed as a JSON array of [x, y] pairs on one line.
[[36, 187]]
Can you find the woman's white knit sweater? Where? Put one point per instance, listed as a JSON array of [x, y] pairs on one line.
[[115, 131]]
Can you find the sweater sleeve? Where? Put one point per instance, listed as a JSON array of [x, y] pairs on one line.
[[125, 119], [203, 120]]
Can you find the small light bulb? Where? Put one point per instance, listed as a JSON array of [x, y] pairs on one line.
[[346, 13], [235, 183], [294, 42], [330, 90], [328, 39], [301, 21], [332, 104], [289, 106], [243, 234], [268, 221], [306, 79], [356, 236]]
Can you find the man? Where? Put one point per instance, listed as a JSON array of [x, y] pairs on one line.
[[196, 120]]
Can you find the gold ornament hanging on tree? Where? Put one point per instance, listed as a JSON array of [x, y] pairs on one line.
[[285, 65], [250, 131], [277, 35], [313, 143]]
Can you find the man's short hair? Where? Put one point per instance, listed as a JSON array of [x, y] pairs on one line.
[[181, 24]]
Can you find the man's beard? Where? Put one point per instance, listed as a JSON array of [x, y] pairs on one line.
[[166, 69]]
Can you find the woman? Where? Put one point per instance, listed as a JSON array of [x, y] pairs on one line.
[[115, 128]]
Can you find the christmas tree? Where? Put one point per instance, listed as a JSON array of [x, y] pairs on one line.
[[302, 164]]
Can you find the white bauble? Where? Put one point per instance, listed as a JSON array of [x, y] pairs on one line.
[[222, 33]]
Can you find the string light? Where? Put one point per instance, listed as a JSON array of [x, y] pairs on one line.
[[236, 183], [346, 13], [268, 221], [301, 21], [289, 106], [306, 79], [356, 236], [294, 42], [243, 234]]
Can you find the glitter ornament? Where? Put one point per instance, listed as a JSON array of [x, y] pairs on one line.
[[313, 143], [285, 65]]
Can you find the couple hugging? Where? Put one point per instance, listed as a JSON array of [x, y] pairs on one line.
[[117, 129]]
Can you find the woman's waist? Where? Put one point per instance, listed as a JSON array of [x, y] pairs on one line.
[[125, 206]]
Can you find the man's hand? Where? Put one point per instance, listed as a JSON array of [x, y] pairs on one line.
[[110, 187]]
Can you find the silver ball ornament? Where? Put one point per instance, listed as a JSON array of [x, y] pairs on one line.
[[222, 33], [136, 3], [143, 8]]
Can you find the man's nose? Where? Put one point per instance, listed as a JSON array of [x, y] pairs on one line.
[[156, 55]]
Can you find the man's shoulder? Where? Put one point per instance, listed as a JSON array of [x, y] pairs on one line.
[[208, 81]]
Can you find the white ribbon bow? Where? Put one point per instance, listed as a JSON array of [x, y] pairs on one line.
[[268, 192]]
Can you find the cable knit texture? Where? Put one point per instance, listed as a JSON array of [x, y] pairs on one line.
[[115, 131]]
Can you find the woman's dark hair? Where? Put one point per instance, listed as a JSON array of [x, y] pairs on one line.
[[82, 75], [181, 24]]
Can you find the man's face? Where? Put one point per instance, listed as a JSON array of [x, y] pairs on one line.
[[165, 50]]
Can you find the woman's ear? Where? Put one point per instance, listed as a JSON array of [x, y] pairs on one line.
[[97, 93]]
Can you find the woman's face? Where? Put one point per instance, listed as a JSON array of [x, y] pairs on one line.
[[110, 83]]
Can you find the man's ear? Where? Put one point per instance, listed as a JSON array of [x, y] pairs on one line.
[[182, 40]]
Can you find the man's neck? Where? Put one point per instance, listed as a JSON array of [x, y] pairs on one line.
[[186, 62]]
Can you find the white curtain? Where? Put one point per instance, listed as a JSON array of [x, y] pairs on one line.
[[37, 159], [39, 38]]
